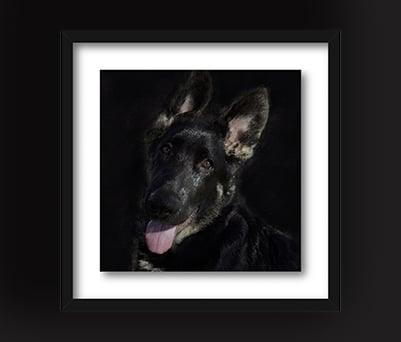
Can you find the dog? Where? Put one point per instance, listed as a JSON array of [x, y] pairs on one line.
[[195, 217]]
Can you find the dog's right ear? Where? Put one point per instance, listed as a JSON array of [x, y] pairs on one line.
[[191, 97]]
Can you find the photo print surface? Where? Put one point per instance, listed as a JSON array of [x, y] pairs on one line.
[[200, 170]]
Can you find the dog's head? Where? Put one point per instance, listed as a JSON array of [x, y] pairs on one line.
[[194, 158]]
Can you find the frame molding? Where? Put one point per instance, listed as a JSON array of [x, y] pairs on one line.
[[68, 303]]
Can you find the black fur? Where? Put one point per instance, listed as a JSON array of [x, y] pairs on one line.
[[195, 159]]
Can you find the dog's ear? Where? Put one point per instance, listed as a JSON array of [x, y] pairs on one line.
[[245, 120], [190, 97]]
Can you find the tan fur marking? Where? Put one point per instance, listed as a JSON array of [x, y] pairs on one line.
[[163, 121], [219, 189], [147, 266], [198, 226], [190, 230]]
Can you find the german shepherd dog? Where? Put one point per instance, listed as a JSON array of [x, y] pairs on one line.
[[195, 218]]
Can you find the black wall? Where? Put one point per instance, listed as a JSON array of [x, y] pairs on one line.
[[371, 168]]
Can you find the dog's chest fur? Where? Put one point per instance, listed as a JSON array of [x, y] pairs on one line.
[[234, 242]]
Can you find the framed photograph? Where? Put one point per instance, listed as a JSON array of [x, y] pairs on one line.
[[200, 171]]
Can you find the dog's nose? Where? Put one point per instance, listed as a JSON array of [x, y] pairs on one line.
[[161, 204]]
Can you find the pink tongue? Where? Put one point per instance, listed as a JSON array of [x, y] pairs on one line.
[[159, 236]]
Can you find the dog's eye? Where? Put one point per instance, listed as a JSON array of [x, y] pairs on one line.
[[166, 149], [206, 164]]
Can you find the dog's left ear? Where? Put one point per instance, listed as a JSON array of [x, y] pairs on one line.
[[245, 120]]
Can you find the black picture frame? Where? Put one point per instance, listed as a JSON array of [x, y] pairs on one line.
[[70, 304]]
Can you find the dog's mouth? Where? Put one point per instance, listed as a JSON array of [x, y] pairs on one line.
[[160, 236]]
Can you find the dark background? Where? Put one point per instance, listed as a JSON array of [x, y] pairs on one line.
[[132, 100], [371, 168]]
